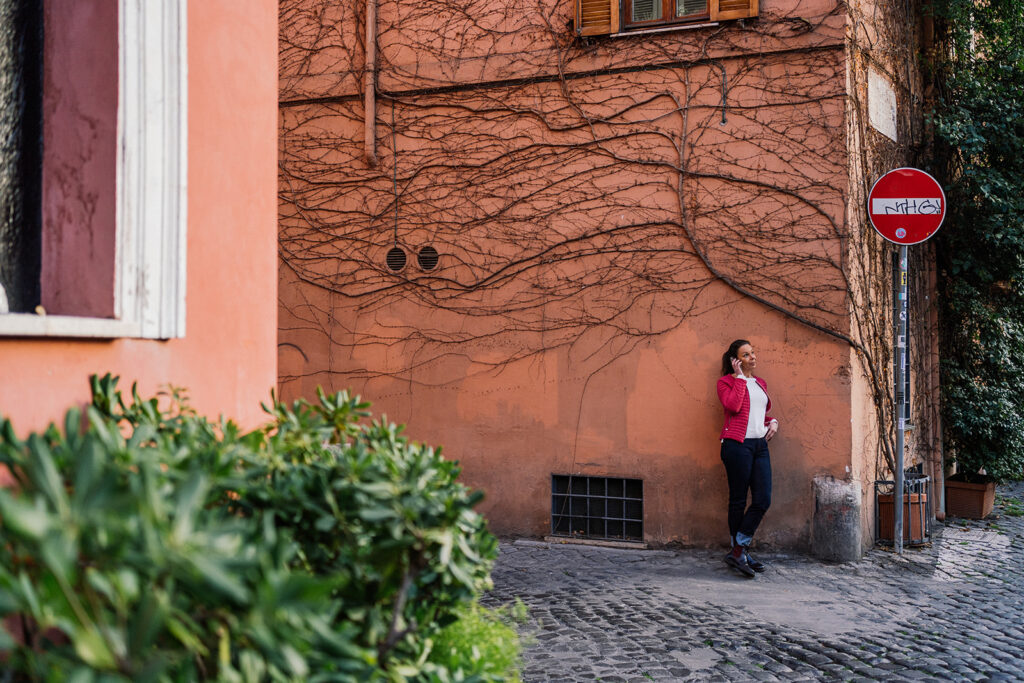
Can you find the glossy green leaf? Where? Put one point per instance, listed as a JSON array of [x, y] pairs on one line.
[[90, 646], [30, 519], [190, 499], [45, 475]]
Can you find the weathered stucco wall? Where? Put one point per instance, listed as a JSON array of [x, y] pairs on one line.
[[651, 413], [884, 39], [445, 42], [601, 237], [227, 360]]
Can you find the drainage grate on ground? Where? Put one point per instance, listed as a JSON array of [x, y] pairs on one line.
[[602, 508]]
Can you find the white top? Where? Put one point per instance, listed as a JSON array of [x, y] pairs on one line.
[[756, 428]]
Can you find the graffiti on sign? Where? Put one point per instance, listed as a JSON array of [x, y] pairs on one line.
[[906, 206]]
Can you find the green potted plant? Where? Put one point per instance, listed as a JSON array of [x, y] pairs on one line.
[[984, 438]]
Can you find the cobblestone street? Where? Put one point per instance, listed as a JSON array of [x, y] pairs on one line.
[[951, 611]]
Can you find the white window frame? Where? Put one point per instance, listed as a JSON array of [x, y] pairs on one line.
[[151, 184]]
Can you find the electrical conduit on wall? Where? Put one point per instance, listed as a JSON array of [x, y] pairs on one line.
[[369, 85]]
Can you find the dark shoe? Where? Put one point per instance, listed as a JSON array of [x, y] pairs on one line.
[[740, 565], [754, 564]]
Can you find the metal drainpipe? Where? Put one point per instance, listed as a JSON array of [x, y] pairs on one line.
[[935, 388], [370, 85]]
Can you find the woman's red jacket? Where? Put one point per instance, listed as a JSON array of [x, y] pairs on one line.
[[732, 392]]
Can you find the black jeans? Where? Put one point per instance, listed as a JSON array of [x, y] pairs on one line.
[[749, 468]]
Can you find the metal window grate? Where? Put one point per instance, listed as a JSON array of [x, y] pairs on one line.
[[597, 507], [395, 259], [427, 258]]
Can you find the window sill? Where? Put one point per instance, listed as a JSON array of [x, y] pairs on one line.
[[66, 326], [661, 29]]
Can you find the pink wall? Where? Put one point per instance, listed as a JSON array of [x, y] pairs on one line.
[[227, 359]]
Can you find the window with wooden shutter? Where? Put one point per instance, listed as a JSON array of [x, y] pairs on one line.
[[723, 10], [602, 17], [597, 17]]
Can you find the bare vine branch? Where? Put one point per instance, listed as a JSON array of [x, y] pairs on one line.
[[579, 188]]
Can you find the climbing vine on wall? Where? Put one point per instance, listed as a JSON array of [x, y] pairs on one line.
[[600, 190]]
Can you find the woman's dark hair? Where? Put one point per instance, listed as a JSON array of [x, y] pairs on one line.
[[730, 354]]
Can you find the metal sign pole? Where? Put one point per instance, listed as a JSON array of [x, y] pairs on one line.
[[900, 372], [905, 206]]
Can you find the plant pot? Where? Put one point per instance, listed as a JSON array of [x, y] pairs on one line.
[[915, 524], [973, 501]]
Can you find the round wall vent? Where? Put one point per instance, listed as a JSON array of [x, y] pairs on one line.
[[427, 258], [395, 259]]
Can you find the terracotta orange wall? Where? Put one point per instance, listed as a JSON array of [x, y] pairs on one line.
[[227, 359], [651, 414], [458, 41], [890, 42], [631, 398]]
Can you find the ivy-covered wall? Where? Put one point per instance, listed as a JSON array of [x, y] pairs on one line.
[[979, 139]]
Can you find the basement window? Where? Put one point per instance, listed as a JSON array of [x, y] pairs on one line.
[[597, 508]]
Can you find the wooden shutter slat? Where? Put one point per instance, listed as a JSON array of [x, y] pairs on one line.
[[722, 10], [597, 17]]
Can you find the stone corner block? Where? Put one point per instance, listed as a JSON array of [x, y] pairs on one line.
[[836, 534]]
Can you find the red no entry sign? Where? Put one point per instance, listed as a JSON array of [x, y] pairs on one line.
[[906, 206]]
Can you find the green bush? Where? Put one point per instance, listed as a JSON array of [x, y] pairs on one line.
[[979, 142], [153, 544], [481, 645]]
